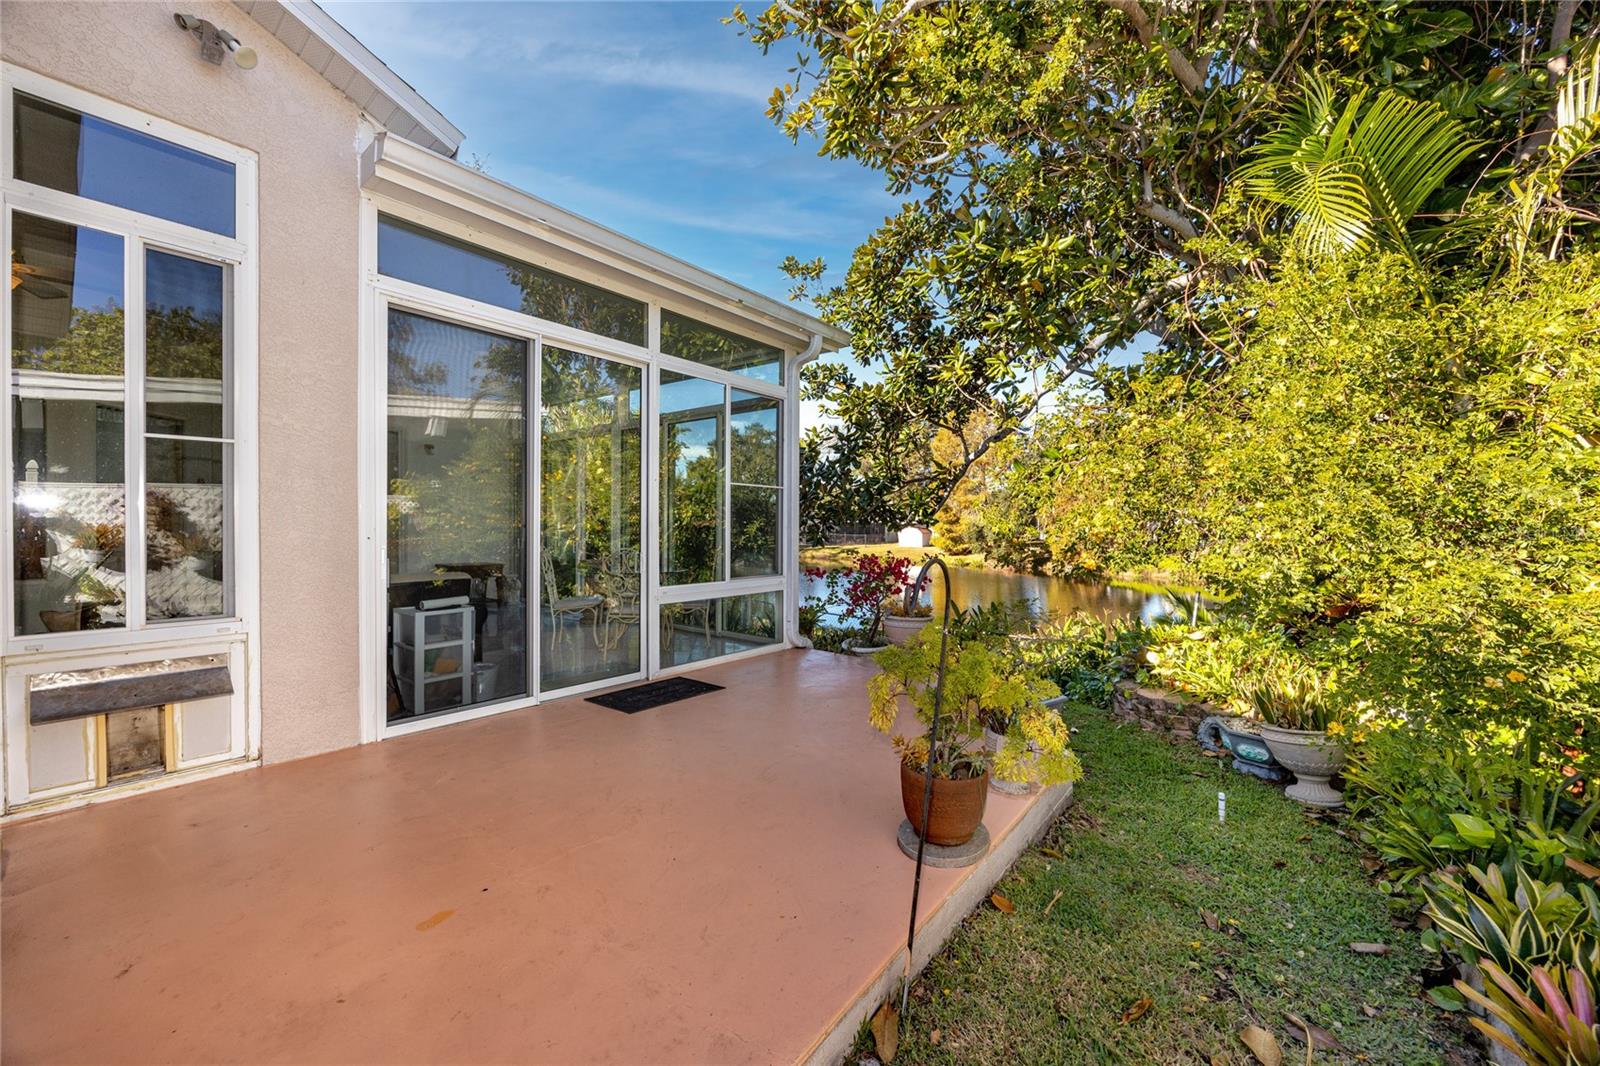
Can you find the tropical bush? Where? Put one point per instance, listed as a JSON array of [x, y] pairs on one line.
[[1214, 662], [984, 686], [1083, 655]]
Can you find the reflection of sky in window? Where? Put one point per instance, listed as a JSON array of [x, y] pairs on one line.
[[695, 441], [171, 281], [682, 393], [120, 166], [97, 271]]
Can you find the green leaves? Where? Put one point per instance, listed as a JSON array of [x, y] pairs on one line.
[[1355, 176], [1474, 830]]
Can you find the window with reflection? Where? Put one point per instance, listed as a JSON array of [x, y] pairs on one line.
[[693, 419], [61, 149], [188, 438], [68, 397], [754, 491], [694, 630], [591, 502], [708, 345], [458, 616], [412, 253]]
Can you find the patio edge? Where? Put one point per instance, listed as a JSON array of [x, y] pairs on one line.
[[836, 1042]]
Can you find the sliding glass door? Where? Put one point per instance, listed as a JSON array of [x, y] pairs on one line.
[[457, 506], [591, 506]]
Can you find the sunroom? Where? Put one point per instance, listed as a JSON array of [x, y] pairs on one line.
[[580, 456]]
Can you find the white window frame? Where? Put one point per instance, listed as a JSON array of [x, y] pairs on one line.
[[139, 232], [139, 640], [380, 292]]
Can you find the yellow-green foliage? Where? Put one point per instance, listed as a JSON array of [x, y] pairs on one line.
[[983, 684]]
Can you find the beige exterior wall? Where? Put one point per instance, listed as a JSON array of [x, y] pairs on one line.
[[305, 134]]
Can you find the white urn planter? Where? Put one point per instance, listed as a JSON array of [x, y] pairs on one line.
[[1313, 757], [994, 742], [902, 630]]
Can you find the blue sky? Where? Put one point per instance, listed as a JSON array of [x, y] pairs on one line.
[[648, 118]]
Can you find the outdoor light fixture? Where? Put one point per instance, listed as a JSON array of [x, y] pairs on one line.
[[215, 42]]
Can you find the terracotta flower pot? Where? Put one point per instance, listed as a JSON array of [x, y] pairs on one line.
[[902, 630], [957, 808], [1313, 757]]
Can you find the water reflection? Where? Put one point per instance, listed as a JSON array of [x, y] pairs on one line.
[[1047, 597]]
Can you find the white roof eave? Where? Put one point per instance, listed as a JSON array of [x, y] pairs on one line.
[[349, 66]]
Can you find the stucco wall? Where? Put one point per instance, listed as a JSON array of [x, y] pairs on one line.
[[305, 134]]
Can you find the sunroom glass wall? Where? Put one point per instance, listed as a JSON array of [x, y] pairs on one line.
[[458, 622]]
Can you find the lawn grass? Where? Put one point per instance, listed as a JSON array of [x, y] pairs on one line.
[[1138, 857], [832, 556]]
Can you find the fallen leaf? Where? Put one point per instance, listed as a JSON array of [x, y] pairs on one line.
[[1361, 948], [1321, 1039], [934, 1037], [1370, 1011], [1053, 899], [1262, 1044], [1278, 864], [1005, 906], [886, 1031], [428, 923], [1371, 865], [1137, 1010], [1213, 923], [1052, 852]]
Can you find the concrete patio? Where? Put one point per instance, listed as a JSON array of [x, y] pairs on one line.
[[714, 880]]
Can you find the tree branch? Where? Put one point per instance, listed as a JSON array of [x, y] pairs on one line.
[[1560, 34], [1182, 69]]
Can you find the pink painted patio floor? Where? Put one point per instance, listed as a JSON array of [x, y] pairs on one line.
[[714, 880]]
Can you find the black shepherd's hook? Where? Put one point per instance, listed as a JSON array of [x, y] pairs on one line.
[[912, 591]]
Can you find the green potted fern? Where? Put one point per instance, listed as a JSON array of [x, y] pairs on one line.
[[982, 685]]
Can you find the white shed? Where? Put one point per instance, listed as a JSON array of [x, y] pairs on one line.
[[916, 537]]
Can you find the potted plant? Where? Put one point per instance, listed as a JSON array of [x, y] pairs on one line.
[[982, 685], [858, 595], [902, 624], [1302, 728]]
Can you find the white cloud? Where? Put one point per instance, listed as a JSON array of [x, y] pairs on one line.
[[632, 68]]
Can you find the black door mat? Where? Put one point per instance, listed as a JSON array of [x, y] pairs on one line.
[[653, 694]]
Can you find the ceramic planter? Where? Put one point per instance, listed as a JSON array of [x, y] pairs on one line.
[[1313, 758], [1241, 738], [902, 630], [956, 811]]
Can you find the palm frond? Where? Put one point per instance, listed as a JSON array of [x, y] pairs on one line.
[[1353, 175]]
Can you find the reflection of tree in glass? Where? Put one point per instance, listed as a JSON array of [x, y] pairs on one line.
[[182, 343], [687, 339], [691, 478], [92, 344], [591, 454], [575, 303], [470, 509], [406, 374]]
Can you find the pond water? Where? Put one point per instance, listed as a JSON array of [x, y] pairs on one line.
[[1047, 597]]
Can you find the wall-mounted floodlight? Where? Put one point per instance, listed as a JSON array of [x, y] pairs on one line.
[[215, 42]]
